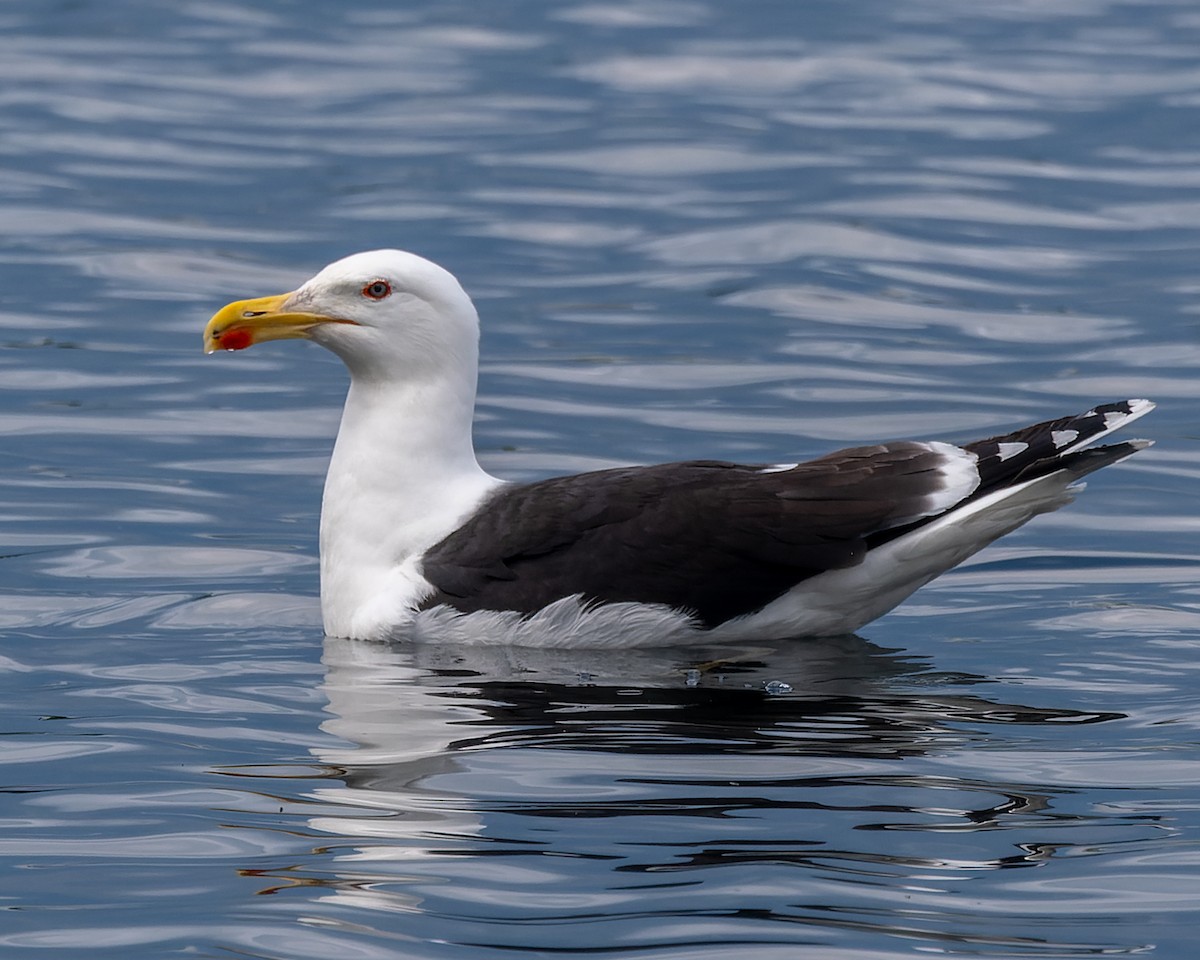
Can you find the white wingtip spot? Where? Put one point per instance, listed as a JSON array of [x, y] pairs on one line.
[[1062, 438], [1006, 451], [1137, 408], [1113, 420]]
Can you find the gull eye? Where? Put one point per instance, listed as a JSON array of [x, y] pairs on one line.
[[377, 290]]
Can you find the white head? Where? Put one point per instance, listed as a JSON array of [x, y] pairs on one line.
[[403, 472], [389, 315]]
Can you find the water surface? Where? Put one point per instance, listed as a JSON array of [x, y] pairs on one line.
[[753, 232]]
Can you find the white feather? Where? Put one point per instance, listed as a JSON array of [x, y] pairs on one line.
[[960, 477], [568, 622]]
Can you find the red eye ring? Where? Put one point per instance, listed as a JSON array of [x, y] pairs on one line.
[[377, 290]]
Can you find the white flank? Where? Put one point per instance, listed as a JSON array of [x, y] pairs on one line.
[[568, 622], [841, 601]]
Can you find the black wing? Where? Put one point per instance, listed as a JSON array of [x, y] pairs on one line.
[[713, 538], [719, 539]]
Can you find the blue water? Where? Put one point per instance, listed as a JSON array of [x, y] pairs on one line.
[[694, 229]]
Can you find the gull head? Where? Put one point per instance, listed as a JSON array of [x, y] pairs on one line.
[[386, 313]]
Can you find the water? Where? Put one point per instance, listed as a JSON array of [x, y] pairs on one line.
[[754, 231]]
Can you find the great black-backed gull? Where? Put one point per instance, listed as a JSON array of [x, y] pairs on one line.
[[418, 541]]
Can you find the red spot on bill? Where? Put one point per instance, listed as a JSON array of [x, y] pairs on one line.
[[236, 339]]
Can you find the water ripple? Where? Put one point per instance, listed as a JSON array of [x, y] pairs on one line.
[[691, 232]]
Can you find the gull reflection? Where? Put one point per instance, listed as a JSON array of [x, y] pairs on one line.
[[456, 754]]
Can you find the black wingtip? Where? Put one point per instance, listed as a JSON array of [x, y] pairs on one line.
[[1083, 462]]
